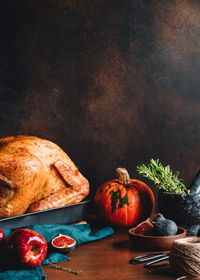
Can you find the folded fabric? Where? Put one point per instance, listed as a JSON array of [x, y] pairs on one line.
[[81, 233]]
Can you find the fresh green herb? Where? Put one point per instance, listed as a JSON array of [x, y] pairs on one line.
[[65, 269], [162, 177]]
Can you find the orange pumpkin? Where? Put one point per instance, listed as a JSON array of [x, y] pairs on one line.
[[124, 201]]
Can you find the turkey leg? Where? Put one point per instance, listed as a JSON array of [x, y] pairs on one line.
[[76, 190]]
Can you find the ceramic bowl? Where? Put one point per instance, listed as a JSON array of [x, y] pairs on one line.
[[154, 243], [183, 209]]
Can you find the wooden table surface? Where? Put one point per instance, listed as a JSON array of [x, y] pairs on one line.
[[107, 259]]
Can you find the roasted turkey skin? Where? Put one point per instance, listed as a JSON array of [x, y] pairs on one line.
[[36, 174]]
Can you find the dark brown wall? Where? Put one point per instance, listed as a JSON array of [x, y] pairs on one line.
[[114, 83]]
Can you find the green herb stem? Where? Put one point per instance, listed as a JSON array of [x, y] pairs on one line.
[[65, 269], [162, 177]]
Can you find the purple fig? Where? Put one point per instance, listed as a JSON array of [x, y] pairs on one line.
[[164, 227]]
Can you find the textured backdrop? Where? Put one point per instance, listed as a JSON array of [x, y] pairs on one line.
[[114, 83]]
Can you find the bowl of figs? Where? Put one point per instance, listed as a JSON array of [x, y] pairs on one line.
[[157, 234]]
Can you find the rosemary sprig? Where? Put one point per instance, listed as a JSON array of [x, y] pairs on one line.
[[65, 269], [162, 177]]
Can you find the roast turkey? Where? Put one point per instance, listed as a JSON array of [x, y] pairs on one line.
[[36, 174]]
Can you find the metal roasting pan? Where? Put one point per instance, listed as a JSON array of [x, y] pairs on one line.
[[68, 214]]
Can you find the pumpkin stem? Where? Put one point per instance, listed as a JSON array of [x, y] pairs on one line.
[[123, 176]]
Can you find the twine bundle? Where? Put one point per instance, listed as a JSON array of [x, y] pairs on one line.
[[185, 256]]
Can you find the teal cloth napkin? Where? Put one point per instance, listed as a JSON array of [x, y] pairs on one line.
[[81, 233]]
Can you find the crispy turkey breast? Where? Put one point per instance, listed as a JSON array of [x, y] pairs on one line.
[[36, 174]]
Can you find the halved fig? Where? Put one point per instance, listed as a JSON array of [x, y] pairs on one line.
[[144, 227], [63, 244]]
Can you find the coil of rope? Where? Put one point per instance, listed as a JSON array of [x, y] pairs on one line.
[[184, 257]]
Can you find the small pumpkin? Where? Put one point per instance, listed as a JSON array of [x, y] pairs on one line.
[[124, 201]]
